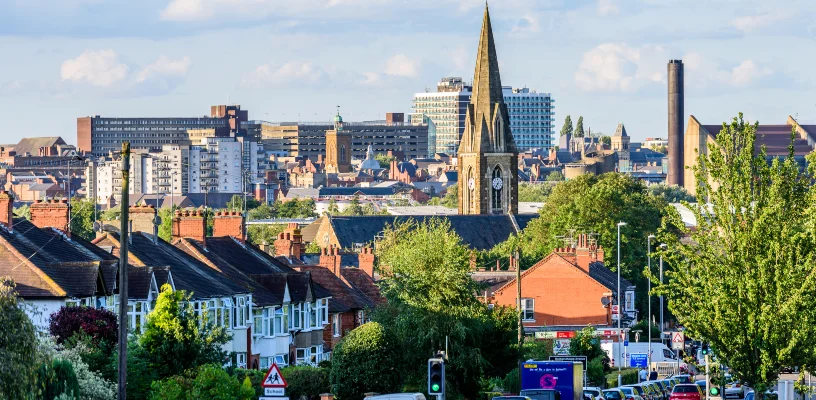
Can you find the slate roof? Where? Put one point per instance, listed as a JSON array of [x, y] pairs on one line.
[[32, 145], [407, 167], [46, 263], [343, 297], [310, 231], [605, 276], [776, 139], [360, 280], [351, 191], [492, 280], [480, 232]]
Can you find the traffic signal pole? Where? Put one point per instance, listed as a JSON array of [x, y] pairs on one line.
[[708, 379]]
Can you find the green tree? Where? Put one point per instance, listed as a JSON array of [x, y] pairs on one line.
[[748, 266], [56, 379], [333, 209], [555, 176], [205, 382], [174, 332], [384, 160], [606, 140], [23, 211], [258, 234], [586, 344], [431, 296], [567, 128], [263, 211], [451, 199], [534, 192], [18, 345], [368, 209], [166, 226], [82, 218], [579, 127], [354, 207], [365, 361], [671, 193], [296, 208], [236, 203]]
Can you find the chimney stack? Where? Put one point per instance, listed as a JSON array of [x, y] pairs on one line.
[[289, 243], [365, 260], [51, 213], [587, 253], [190, 224], [143, 219], [7, 209], [330, 259], [676, 119], [229, 223]]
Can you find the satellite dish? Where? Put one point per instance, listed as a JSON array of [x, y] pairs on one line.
[[605, 301], [157, 220], [97, 226]]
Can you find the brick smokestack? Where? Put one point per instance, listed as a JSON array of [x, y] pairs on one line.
[[7, 209], [330, 259], [676, 114], [143, 219], [229, 223], [587, 252], [51, 213], [190, 224], [289, 243], [365, 260]]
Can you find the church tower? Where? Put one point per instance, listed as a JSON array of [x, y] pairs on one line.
[[487, 157], [338, 147]]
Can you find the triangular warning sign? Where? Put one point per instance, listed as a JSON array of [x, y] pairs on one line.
[[273, 378]]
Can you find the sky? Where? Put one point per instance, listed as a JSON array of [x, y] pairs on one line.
[[286, 60]]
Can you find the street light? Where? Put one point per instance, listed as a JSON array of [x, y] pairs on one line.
[[662, 246], [620, 313], [649, 294]]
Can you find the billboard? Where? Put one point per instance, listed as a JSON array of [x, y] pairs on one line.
[[566, 377]]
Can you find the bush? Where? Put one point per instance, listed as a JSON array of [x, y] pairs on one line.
[[255, 377], [365, 361], [18, 345], [595, 372], [629, 376], [205, 382], [91, 385], [512, 383], [57, 378], [306, 382], [99, 324]]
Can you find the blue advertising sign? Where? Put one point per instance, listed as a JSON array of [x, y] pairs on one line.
[[639, 360], [566, 377]]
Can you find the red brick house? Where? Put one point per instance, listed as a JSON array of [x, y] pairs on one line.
[[567, 288]]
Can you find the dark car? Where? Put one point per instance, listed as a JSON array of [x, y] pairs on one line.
[[511, 398], [614, 394], [541, 394], [641, 391], [686, 391], [684, 378], [701, 384]]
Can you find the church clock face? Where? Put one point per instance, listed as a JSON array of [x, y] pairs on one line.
[[471, 183], [497, 183]]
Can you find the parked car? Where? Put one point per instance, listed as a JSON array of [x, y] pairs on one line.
[[511, 398], [595, 392], [542, 394], [749, 395], [735, 390], [669, 383], [702, 385], [641, 391], [398, 396], [662, 389], [630, 393], [686, 391], [614, 394], [683, 378], [648, 391]]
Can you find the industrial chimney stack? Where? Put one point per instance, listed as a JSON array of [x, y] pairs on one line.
[[676, 130]]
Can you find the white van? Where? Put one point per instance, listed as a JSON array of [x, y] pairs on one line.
[[397, 396], [660, 352]]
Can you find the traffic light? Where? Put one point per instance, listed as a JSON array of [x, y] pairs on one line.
[[436, 376], [715, 391], [706, 351]]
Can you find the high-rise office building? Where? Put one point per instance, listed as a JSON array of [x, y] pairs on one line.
[[531, 114]]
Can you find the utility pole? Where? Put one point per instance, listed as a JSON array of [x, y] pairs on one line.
[[649, 295], [708, 379], [620, 312], [662, 246], [123, 262], [514, 262]]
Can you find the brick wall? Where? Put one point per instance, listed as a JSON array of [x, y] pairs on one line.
[[330, 259], [51, 213], [142, 219], [229, 223], [289, 243], [6, 209], [365, 261], [348, 321], [563, 294], [189, 224]]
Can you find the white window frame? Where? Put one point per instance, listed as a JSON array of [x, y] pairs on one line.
[[257, 322], [281, 359], [527, 309], [296, 316], [336, 325], [302, 355], [241, 307], [629, 301], [324, 311], [227, 303], [241, 360]]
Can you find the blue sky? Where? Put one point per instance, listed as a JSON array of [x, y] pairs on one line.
[[290, 59]]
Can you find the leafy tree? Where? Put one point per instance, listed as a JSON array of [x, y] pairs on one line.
[[166, 226], [18, 345], [110, 214], [384, 160], [555, 176], [451, 199], [99, 324], [596, 204], [586, 344], [56, 379], [367, 352], [595, 372], [306, 381], [255, 377], [296, 208], [368, 209], [749, 264], [671, 193], [333, 209], [237, 202], [567, 128], [579, 127], [354, 207], [263, 211], [91, 385], [606, 140], [533, 192], [257, 234], [174, 332], [431, 296], [208, 381], [24, 211], [537, 349], [82, 214], [312, 248]]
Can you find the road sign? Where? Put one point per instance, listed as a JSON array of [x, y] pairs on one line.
[[678, 340], [561, 347], [580, 359], [625, 343], [273, 378], [272, 398], [274, 391], [639, 360], [615, 312]]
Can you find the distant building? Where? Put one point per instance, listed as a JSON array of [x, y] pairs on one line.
[[308, 139], [102, 135], [531, 114]]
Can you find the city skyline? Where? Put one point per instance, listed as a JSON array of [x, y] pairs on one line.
[[605, 60]]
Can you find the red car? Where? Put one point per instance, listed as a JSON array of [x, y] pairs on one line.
[[686, 391]]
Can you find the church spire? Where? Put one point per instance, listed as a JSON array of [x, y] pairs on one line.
[[487, 88]]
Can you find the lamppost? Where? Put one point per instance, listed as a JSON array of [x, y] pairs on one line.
[[620, 313], [649, 294], [662, 246]]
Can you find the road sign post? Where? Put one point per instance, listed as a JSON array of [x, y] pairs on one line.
[[273, 384]]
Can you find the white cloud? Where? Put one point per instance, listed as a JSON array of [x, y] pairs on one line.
[[620, 67], [703, 73], [402, 65], [292, 72], [749, 23], [370, 78], [528, 24], [164, 66], [188, 10], [608, 7], [96, 68], [202, 10]]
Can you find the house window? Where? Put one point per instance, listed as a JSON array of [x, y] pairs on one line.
[[227, 303], [629, 301], [241, 312], [258, 322], [336, 325], [528, 309], [241, 360], [302, 355], [317, 355], [324, 308], [315, 319], [296, 320], [282, 359], [359, 319]]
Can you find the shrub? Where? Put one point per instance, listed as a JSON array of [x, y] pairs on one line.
[[18, 345], [365, 361], [595, 372], [511, 381], [205, 382], [99, 324], [91, 385], [629, 376], [306, 382], [57, 378], [255, 378]]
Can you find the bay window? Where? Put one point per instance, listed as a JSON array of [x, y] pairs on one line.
[[241, 311], [336, 325], [296, 316], [257, 322], [227, 303]]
